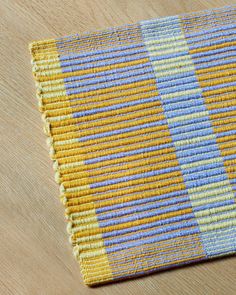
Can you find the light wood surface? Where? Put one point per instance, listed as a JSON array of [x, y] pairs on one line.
[[36, 257]]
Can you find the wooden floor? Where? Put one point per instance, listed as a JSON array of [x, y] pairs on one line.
[[36, 257]]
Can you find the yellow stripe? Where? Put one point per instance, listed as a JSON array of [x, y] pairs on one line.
[[103, 99], [126, 144], [84, 198]]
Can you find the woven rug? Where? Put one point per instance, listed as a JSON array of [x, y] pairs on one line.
[[141, 124]]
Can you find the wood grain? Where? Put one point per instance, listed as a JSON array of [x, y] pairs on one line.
[[36, 257]]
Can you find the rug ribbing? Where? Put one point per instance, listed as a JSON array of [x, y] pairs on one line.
[[141, 122]]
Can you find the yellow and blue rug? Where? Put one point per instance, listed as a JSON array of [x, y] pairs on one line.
[[141, 122]]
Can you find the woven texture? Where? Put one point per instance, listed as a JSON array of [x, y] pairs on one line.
[[141, 122]]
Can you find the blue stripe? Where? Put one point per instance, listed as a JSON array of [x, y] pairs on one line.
[[133, 177], [150, 233], [153, 240], [210, 43], [112, 78], [103, 56], [111, 84], [148, 214], [103, 63], [105, 73], [148, 225], [141, 201], [126, 154], [143, 208], [213, 35]]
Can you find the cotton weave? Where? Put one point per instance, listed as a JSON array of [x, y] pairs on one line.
[[141, 125]]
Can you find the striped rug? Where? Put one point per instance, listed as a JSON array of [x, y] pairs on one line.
[[141, 125]]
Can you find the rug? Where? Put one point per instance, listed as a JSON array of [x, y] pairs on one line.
[[141, 125]]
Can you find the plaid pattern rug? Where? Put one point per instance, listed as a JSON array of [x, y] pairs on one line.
[[141, 125]]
